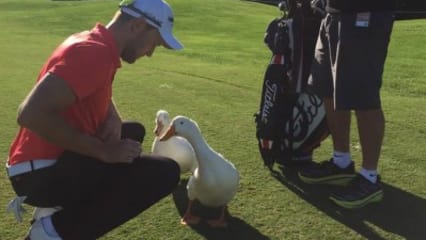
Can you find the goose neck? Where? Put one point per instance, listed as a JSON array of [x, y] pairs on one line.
[[199, 144]]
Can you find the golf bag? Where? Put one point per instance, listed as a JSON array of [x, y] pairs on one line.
[[291, 121]]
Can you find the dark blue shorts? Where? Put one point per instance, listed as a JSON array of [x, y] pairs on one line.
[[349, 58]]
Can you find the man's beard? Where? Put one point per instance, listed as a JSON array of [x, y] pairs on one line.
[[128, 56]]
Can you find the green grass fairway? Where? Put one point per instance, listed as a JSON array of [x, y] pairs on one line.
[[216, 80]]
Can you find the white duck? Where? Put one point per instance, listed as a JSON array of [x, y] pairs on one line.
[[214, 182], [176, 148]]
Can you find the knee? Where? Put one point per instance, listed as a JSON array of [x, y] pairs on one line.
[[172, 172], [168, 172], [158, 173], [133, 130]]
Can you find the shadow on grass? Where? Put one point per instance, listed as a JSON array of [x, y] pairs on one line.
[[400, 212], [236, 229]]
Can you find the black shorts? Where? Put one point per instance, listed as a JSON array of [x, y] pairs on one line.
[[96, 197], [349, 59]]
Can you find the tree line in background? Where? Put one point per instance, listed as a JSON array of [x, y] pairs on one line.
[[410, 9], [405, 9], [411, 5]]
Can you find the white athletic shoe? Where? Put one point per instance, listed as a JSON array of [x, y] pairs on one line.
[[37, 232], [43, 212]]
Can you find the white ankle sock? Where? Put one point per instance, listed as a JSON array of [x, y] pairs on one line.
[[48, 227], [342, 159], [370, 175]]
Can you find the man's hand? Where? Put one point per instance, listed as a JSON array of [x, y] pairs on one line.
[[121, 151], [110, 130]]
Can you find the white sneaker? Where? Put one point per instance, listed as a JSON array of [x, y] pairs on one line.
[[37, 232], [43, 212]]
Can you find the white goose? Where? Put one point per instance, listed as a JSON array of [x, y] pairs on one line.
[[214, 182], [176, 148]]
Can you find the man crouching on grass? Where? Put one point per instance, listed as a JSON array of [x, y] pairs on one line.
[[72, 151]]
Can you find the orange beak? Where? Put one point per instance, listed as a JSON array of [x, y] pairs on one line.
[[158, 128], [169, 133]]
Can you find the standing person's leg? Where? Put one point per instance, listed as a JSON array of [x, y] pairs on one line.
[[360, 52], [371, 51], [340, 168], [339, 124], [371, 120], [366, 187], [371, 128]]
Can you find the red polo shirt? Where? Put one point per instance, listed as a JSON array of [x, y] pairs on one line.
[[87, 61]]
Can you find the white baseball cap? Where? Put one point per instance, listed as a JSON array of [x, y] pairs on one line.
[[157, 13]]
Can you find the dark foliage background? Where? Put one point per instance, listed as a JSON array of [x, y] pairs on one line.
[[409, 9], [405, 9], [411, 5]]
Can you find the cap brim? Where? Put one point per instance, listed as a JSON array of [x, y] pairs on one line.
[[170, 41]]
